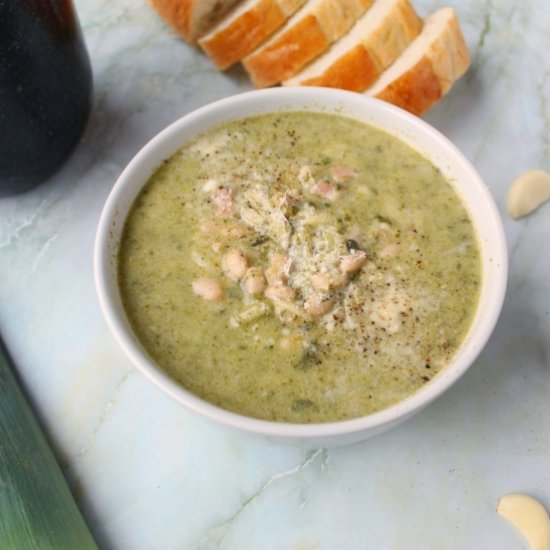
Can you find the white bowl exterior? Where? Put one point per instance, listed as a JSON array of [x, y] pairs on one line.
[[413, 131]]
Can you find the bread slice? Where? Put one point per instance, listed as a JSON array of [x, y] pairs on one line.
[[428, 67], [356, 60], [192, 18], [245, 28], [308, 33]]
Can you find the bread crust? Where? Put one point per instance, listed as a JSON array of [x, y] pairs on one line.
[[288, 54], [369, 54], [416, 91], [355, 71], [177, 13], [236, 40], [445, 59], [423, 73], [302, 40], [192, 18]]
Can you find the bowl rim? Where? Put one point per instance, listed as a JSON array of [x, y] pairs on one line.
[[133, 175]]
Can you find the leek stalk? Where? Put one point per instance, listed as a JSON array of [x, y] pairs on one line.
[[37, 510]]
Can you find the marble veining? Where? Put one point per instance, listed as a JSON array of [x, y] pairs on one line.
[[149, 475], [215, 536]]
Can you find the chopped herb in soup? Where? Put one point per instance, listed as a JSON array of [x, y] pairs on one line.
[[299, 267]]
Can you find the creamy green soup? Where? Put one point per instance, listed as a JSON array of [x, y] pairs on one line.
[[299, 267]]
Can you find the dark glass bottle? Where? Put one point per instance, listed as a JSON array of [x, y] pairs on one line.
[[45, 90]]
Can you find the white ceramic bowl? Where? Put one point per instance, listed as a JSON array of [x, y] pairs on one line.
[[408, 128]]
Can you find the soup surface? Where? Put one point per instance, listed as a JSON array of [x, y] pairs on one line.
[[299, 267]]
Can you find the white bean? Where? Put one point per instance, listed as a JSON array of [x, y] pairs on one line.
[[318, 305], [254, 281], [276, 272], [320, 281], [208, 288], [234, 264], [237, 231], [281, 292], [353, 262]]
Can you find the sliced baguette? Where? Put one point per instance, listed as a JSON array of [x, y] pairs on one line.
[[245, 28], [356, 60], [427, 69], [192, 18], [307, 34]]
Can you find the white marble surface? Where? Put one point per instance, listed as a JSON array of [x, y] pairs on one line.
[[150, 475]]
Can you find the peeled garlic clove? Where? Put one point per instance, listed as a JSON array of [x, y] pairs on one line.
[[529, 516], [528, 192]]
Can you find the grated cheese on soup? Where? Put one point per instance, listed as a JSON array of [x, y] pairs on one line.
[[299, 267]]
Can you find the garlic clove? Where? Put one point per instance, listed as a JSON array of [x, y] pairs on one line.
[[528, 192], [529, 516]]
